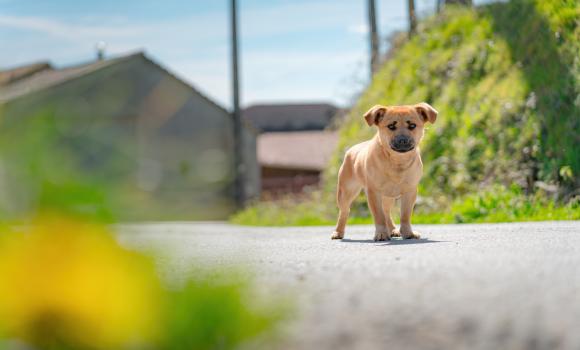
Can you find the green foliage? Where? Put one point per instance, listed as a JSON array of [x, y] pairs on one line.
[[506, 100], [52, 163], [287, 212], [500, 204], [495, 204], [221, 314], [552, 72], [505, 79], [72, 286], [42, 171]]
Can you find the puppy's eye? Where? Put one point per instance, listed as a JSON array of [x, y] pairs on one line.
[[412, 126], [392, 127]]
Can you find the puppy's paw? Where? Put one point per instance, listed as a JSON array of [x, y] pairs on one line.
[[382, 236], [337, 235], [410, 234], [395, 233]]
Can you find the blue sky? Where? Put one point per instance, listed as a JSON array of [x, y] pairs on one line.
[[300, 50]]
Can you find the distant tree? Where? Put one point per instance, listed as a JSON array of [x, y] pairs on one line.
[[412, 17]]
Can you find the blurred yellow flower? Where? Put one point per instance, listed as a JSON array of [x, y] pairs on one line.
[[68, 282]]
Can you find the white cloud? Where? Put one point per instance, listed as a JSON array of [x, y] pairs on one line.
[[196, 47], [273, 20], [358, 28], [65, 30]]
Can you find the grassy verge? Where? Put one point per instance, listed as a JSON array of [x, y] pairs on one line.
[[497, 204]]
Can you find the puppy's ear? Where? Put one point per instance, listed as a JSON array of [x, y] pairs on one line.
[[428, 113], [374, 115]]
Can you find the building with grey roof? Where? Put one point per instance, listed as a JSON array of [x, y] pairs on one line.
[[290, 117], [290, 162], [294, 145], [175, 144]]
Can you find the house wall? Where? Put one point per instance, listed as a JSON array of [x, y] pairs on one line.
[[278, 181], [170, 147]]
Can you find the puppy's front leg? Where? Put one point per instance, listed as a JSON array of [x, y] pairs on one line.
[[388, 203], [376, 206], [407, 203]]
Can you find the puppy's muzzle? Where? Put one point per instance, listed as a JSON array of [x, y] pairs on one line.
[[402, 143]]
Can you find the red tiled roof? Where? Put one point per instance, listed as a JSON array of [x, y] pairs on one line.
[[9, 76], [46, 78], [305, 150]]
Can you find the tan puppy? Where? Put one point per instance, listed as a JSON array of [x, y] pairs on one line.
[[388, 167]]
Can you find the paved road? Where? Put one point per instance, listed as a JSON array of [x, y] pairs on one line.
[[501, 286]]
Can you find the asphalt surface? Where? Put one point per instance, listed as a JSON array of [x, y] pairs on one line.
[[492, 286]]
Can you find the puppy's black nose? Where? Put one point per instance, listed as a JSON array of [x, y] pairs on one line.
[[403, 143]]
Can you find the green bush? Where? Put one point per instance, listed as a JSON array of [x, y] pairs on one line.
[[206, 315], [41, 170], [503, 86]]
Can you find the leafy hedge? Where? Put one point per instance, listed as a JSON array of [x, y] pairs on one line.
[[505, 79]]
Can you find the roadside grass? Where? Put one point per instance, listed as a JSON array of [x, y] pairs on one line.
[[498, 204]]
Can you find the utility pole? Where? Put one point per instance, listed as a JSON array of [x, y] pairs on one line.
[[236, 115], [374, 37], [412, 17]]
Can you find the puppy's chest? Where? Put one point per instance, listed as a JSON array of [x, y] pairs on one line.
[[394, 183]]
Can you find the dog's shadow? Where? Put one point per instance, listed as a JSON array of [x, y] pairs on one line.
[[394, 241]]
